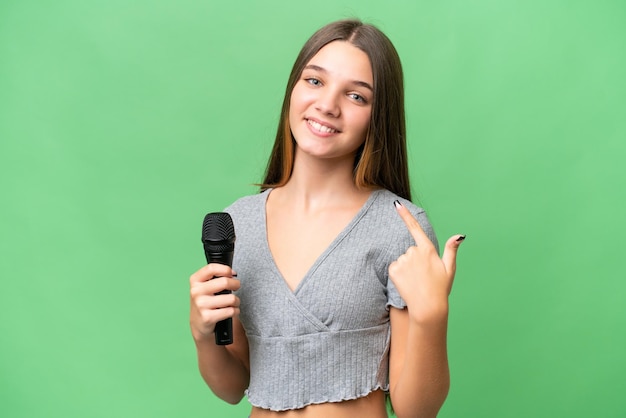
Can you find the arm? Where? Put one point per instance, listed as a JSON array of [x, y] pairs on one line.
[[418, 365], [419, 376], [225, 369]]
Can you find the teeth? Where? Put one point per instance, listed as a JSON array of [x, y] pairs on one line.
[[320, 127]]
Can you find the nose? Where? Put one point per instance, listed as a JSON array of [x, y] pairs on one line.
[[328, 103]]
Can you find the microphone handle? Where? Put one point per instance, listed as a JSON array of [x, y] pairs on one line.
[[223, 328]]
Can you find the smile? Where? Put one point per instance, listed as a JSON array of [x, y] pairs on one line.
[[321, 128]]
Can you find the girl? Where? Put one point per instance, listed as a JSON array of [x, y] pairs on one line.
[[340, 295]]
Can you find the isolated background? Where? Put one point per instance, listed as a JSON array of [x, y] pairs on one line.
[[123, 123]]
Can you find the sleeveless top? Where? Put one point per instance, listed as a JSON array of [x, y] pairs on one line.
[[328, 340]]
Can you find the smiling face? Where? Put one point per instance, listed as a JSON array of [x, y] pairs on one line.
[[331, 103]]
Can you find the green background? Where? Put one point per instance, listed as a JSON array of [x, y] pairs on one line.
[[122, 123]]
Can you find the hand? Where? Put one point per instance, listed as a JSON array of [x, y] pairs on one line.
[[207, 308], [423, 279]]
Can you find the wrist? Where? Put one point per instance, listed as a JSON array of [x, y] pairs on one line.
[[434, 313], [202, 338]]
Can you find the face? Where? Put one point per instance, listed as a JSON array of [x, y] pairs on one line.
[[331, 103]]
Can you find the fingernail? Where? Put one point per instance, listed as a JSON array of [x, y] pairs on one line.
[[397, 203], [461, 238]]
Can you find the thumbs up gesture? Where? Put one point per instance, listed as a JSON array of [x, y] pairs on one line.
[[423, 279]]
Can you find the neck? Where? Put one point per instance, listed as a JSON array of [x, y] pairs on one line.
[[318, 182]]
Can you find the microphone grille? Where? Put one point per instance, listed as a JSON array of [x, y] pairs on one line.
[[218, 226]]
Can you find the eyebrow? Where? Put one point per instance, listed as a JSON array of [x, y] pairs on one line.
[[323, 70]]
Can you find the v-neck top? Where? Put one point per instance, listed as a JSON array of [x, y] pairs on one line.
[[328, 339]]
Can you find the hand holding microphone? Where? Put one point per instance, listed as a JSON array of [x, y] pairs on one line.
[[212, 303]]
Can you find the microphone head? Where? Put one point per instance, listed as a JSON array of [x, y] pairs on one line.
[[218, 231]]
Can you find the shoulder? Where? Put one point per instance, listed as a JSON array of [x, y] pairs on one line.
[[385, 199], [247, 204], [248, 211], [248, 215], [385, 213]]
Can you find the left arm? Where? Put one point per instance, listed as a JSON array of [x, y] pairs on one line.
[[419, 377], [418, 365]]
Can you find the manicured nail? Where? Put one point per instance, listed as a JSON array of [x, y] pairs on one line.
[[397, 203], [461, 238]]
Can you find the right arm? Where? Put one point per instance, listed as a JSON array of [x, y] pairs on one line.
[[224, 368]]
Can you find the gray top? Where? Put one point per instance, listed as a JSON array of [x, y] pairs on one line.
[[328, 340]]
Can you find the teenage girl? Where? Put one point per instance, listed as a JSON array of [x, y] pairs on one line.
[[340, 297]]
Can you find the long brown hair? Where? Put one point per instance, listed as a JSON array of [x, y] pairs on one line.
[[382, 159]]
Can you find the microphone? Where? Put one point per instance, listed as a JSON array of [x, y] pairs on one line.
[[218, 237]]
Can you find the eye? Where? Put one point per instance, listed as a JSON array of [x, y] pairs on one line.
[[357, 97], [313, 81]]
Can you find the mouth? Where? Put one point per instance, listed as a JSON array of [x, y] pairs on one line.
[[320, 127]]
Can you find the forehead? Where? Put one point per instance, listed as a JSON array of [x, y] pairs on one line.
[[344, 60]]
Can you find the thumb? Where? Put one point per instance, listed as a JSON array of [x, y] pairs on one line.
[[449, 253]]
